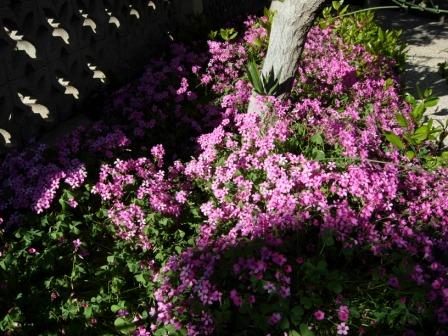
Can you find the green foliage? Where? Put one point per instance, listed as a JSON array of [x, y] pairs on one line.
[[421, 140], [57, 286], [361, 29], [227, 34]]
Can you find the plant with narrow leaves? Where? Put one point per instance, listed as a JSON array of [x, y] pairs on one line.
[[262, 84]]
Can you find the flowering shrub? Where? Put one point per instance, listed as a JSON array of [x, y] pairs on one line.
[[185, 215]]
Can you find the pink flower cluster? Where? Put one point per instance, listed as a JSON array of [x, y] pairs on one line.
[[261, 191], [155, 188]]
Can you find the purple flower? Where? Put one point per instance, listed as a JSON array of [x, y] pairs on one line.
[[393, 282], [236, 299], [122, 313], [275, 318]]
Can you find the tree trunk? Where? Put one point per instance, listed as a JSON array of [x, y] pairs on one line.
[[291, 23]]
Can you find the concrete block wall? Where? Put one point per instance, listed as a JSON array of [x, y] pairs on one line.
[[54, 54]]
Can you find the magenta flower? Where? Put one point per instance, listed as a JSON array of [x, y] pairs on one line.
[[343, 313], [32, 250], [141, 331], [319, 315]]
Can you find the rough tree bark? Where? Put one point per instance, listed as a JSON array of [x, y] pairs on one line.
[[291, 23]]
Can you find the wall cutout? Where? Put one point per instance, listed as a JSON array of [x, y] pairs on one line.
[[144, 25], [58, 31], [113, 19], [35, 107], [69, 89], [88, 22], [6, 136], [134, 12], [21, 44], [97, 74]]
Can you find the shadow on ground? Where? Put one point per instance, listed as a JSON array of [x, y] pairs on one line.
[[427, 40]]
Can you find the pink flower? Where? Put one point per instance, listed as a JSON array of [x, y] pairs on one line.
[[54, 296], [158, 152], [76, 244], [342, 329], [319, 315], [275, 318], [32, 250], [343, 313], [72, 203], [236, 299], [141, 331], [252, 299]]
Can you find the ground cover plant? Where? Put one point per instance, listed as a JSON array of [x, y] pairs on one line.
[[321, 213]]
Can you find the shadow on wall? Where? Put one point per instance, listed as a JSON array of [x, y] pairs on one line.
[[57, 56], [60, 58], [221, 12]]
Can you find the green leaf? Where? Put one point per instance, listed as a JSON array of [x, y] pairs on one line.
[[317, 139], [115, 308], [254, 76], [124, 326], [293, 333], [335, 287], [318, 154], [395, 140], [336, 5], [296, 314], [284, 325], [306, 302], [410, 154], [409, 98], [402, 121], [417, 112], [328, 239], [88, 312], [431, 102], [305, 331], [141, 278], [420, 134]]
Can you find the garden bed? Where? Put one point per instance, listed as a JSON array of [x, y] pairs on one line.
[[322, 213]]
